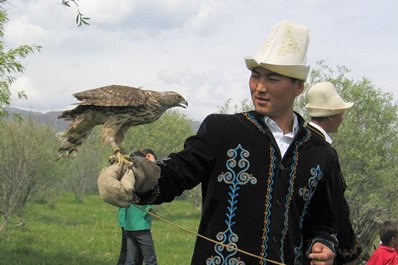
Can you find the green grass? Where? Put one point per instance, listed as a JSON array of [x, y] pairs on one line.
[[88, 234]]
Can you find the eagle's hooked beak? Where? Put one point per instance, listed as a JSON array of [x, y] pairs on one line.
[[183, 104]]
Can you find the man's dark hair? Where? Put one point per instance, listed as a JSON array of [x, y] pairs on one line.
[[137, 153], [143, 153], [149, 151], [319, 119], [388, 231]]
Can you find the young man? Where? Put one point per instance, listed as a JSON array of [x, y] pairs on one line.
[[267, 183], [137, 244], [326, 109], [387, 252]]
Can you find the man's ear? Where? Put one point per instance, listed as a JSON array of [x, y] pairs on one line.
[[299, 87]]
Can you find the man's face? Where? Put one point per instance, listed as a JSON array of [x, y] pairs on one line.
[[150, 157], [395, 242], [335, 122], [273, 94]]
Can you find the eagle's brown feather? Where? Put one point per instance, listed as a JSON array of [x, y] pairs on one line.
[[113, 95]]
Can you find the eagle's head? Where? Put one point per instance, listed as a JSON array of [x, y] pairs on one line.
[[171, 99]]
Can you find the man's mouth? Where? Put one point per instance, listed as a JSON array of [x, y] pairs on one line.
[[261, 99]]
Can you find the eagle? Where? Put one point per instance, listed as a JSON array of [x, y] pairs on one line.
[[117, 108]]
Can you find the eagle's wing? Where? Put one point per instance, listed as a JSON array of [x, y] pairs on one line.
[[113, 95]]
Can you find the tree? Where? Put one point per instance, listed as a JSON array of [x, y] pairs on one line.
[[81, 172], [229, 108], [164, 136], [10, 63], [10, 59], [26, 164]]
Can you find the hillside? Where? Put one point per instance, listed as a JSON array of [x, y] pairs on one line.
[[50, 118]]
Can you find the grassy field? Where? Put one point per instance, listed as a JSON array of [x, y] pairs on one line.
[[88, 234]]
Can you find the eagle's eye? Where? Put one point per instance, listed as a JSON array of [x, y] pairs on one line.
[[178, 98]]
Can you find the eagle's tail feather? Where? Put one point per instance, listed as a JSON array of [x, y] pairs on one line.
[[72, 138], [67, 115]]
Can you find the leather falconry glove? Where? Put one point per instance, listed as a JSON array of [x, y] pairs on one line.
[[146, 174], [116, 184]]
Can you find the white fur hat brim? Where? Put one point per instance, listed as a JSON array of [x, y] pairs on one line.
[[324, 101], [295, 71], [324, 112]]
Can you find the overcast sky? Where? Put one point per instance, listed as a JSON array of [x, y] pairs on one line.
[[194, 47]]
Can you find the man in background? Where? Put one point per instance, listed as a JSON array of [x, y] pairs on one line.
[[326, 110]]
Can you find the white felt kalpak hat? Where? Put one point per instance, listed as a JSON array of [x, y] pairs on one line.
[[285, 51], [324, 101]]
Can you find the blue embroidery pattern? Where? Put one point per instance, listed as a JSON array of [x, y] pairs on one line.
[[236, 176], [289, 196], [307, 193], [268, 204], [254, 121]]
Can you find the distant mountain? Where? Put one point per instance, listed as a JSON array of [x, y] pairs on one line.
[[50, 118]]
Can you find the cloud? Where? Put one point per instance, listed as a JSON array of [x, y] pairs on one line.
[[149, 16], [195, 47], [21, 31]]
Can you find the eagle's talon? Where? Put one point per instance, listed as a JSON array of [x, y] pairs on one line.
[[120, 159]]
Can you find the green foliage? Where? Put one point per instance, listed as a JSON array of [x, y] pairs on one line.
[[80, 18], [164, 136], [10, 63], [26, 164], [80, 172], [230, 108], [74, 233]]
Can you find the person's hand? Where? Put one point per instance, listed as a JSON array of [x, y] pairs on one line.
[[146, 174], [321, 255], [115, 185]]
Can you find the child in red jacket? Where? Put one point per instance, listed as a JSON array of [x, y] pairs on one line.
[[387, 252]]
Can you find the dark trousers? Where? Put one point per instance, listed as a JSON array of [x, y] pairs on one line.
[[141, 242], [133, 256]]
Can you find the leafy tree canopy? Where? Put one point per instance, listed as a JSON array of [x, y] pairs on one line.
[[10, 63]]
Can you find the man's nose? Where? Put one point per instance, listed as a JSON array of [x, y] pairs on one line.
[[261, 85]]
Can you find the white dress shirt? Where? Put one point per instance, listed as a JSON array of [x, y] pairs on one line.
[[283, 140]]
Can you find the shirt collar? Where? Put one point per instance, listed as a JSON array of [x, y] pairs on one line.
[[325, 134], [275, 128]]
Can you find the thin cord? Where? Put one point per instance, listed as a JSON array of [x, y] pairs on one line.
[[209, 239]]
